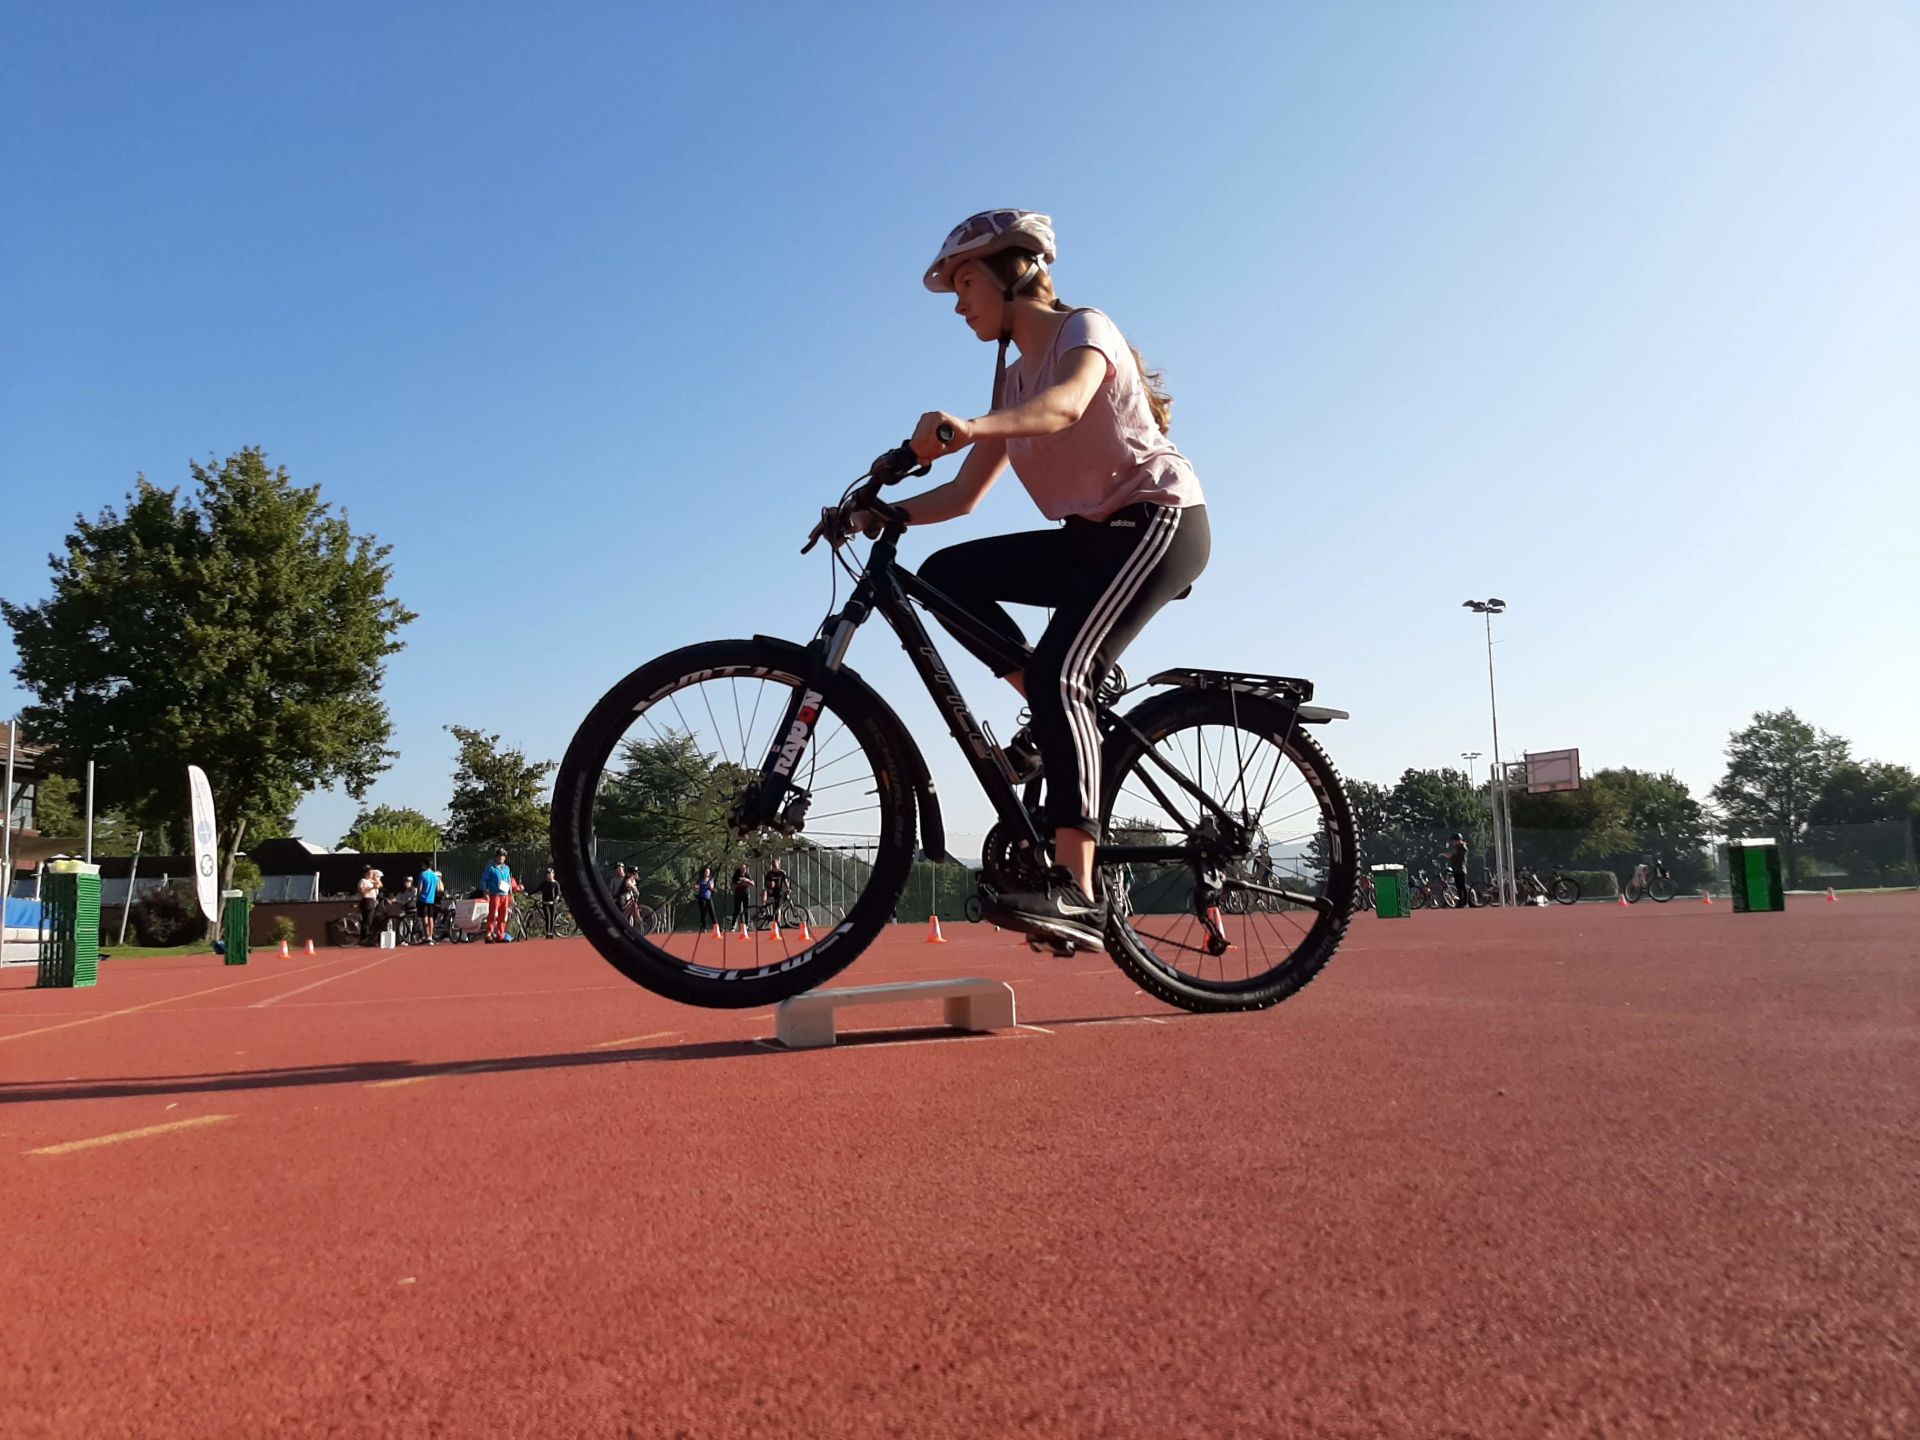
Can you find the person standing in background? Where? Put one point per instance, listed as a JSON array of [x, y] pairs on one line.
[[1457, 862], [742, 896], [369, 906], [429, 897], [549, 892], [703, 892], [496, 883]]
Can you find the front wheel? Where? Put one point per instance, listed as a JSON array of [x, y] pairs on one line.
[[1661, 888], [1272, 783], [1564, 890], [656, 772]]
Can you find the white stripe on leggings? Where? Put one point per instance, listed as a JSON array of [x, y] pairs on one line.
[[1075, 693]]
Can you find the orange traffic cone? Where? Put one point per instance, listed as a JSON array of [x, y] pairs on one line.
[[1831, 900], [284, 955], [934, 937], [716, 931], [1213, 914], [1706, 899], [806, 935], [309, 947], [776, 931], [1622, 899]]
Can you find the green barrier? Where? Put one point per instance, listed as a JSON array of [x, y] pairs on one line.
[[1391, 899], [70, 944], [236, 918], [1753, 867]]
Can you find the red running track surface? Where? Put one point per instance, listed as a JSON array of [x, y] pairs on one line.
[[1563, 1172]]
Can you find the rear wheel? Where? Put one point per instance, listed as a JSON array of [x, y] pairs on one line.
[[1276, 785], [1661, 888], [1564, 890], [653, 774]]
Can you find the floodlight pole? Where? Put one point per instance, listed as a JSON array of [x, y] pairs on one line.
[[6, 852], [1507, 880]]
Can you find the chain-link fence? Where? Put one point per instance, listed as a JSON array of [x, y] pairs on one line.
[[1843, 857]]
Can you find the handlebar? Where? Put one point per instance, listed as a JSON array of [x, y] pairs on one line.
[[890, 469]]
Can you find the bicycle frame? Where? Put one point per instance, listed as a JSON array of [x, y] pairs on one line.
[[891, 589]]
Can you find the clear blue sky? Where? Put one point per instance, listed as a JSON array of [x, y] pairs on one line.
[[1613, 311]]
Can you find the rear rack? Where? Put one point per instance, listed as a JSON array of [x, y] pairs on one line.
[[1288, 689]]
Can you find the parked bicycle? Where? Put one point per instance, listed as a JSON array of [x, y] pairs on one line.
[[1649, 880], [1562, 889], [801, 744], [1431, 892]]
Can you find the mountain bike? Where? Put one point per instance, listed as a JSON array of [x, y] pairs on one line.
[[1429, 892], [787, 910], [1562, 889], [532, 915], [1654, 880], [763, 741]]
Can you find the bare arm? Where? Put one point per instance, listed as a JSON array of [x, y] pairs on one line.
[[1083, 370], [959, 496]]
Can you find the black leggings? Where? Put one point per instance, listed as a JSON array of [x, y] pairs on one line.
[[1103, 580]]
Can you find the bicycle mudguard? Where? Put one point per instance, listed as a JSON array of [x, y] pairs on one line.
[[933, 830]]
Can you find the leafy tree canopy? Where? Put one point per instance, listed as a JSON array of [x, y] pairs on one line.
[[1863, 793], [498, 794], [391, 828], [243, 628], [1776, 770]]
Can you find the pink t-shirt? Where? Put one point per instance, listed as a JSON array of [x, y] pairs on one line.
[[1113, 455]]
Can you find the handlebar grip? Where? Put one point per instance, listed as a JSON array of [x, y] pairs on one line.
[[945, 432]]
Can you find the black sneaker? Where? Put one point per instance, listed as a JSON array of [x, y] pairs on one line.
[[1061, 912], [1023, 756]]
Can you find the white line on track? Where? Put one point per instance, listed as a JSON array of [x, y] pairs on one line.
[[166, 1000], [635, 1039], [142, 1133], [464, 995], [276, 999], [1022, 1025]]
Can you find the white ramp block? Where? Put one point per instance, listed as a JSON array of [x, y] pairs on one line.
[[806, 1021]]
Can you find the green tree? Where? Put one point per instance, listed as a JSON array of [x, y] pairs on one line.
[[1776, 770], [59, 809], [1866, 792], [1613, 821], [391, 828], [663, 812], [497, 792], [243, 629], [1437, 802], [1372, 811]]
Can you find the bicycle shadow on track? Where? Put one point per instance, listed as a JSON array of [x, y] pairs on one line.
[[375, 1072], [364, 1072]]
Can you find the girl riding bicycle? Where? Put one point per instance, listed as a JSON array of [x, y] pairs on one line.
[[1083, 422]]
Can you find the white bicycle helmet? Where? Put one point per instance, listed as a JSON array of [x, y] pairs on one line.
[[993, 232], [989, 233]]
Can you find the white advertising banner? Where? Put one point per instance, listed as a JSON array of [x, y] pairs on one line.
[[205, 864]]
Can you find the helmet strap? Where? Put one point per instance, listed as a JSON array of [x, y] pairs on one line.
[[1006, 329]]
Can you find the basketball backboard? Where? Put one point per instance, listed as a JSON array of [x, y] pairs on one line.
[[1550, 770]]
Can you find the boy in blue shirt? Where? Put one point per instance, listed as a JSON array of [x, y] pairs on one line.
[[429, 897]]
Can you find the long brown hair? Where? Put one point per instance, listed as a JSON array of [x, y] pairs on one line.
[[1040, 288]]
